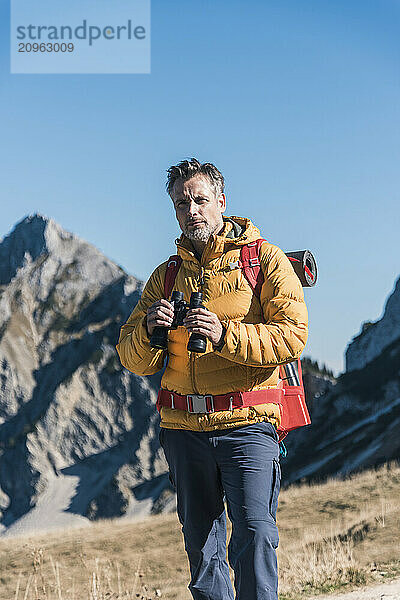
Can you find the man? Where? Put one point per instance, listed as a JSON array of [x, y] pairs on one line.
[[218, 414]]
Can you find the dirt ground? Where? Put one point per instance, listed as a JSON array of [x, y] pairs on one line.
[[384, 591]]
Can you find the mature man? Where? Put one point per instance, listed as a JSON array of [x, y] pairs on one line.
[[218, 410]]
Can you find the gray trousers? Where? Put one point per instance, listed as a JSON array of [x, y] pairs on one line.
[[240, 465]]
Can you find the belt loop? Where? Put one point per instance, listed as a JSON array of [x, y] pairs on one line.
[[231, 403], [172, 401]]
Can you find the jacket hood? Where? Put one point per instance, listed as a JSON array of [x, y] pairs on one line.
[[237, 231]]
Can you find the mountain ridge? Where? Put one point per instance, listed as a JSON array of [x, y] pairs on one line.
[[376, 336], [67, 405]]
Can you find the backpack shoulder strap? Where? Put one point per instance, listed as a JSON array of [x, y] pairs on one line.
[[250, 264], [174, 263]]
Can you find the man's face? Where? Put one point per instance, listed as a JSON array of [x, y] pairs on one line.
[[198, 208]]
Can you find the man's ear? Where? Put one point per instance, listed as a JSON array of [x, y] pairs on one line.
[[222, 202]]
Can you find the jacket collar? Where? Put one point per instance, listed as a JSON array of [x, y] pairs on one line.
[[236, 231]]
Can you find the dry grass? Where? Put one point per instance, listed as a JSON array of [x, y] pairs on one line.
[[333, 535], [341, 533]]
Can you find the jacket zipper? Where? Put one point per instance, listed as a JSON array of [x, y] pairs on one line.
[[201, 279], [192, 372], [192, 358]]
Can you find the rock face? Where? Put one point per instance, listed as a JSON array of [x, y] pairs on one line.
[[356, 423], [78, 433], [375, 337]]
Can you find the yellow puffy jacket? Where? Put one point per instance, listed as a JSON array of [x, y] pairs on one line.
[[261, 334]]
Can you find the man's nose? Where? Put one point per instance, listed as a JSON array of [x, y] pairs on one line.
[[192, 208]]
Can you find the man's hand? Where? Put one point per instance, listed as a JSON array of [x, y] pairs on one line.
[[201, 320], [159, 314]]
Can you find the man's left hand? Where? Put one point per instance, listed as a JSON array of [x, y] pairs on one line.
[[201, 320]]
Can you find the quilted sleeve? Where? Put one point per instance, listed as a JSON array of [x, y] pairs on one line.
[[133, 346], [283, 335]]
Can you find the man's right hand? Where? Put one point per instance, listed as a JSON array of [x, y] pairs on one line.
[[159, 314]]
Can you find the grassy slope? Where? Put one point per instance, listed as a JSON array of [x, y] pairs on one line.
[[333, 535]]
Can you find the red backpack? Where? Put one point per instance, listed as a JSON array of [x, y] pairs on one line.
[[294, 411]]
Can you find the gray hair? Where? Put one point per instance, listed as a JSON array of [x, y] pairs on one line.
[[186, 169]]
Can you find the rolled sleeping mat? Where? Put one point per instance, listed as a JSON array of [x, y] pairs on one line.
[[305, 267]]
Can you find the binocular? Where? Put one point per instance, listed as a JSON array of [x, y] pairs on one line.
[[197, 341], [303, 263]]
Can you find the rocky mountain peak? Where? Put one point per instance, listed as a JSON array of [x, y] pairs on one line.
[[33, 236], [376, 337], [68, 411], [39, 250]]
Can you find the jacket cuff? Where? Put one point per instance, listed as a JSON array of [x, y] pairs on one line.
[[218, 347], [142, 335], [229, 346], [145, 328]]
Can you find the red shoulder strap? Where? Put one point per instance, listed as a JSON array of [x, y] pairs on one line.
[[250, 265], [174, 263]]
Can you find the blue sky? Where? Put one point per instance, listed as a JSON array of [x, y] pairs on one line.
[[296, 102]]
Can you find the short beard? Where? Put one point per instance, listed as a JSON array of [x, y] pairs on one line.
[[201, 234]]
